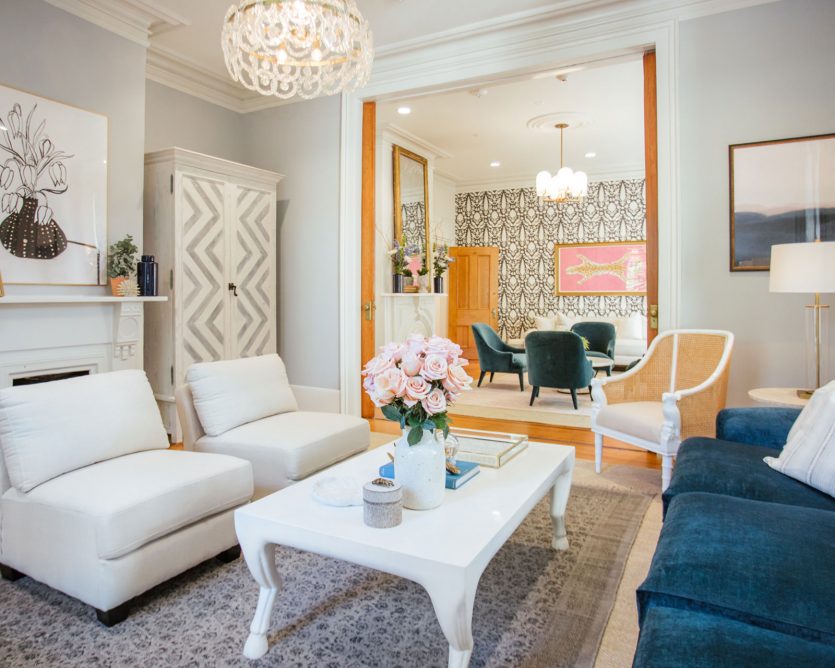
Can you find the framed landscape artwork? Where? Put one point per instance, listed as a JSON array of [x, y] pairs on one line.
[[781, 191], [609, 268], [53, 192]]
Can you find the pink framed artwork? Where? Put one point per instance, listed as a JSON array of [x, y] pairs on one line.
[[610, 268]]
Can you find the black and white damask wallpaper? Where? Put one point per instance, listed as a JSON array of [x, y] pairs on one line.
[[413, 220], [525, 231]]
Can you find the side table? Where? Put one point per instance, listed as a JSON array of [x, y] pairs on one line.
[[778, 396]]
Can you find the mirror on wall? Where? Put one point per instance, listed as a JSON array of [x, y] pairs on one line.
[[411, 200]]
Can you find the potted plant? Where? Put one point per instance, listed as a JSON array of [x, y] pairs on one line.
[[398, 266], [414, 383], [413, 259], [121, 263], [441, 261]]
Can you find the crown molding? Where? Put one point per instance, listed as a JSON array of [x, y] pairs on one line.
[[616, 173], [173, 70], [394, 132], [209, 163], [136, 20]]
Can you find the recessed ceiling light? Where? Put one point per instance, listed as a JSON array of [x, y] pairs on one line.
[[591, 154], [404, 111], [495, 163]]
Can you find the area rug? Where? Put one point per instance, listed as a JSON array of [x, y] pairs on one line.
[[534, 607], [502, 399]]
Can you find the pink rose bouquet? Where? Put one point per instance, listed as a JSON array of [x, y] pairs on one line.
[[415, 382]]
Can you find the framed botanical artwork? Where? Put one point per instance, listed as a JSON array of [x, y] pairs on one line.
[[781, 191], [53, 192], [608, 268]]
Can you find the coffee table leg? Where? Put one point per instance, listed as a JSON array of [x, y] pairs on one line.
[[453, 602], [260, 557], [559, 500]]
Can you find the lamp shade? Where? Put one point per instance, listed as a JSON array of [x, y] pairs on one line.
[[803, 267]]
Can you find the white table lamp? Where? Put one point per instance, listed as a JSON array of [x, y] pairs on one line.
[[810, 268]]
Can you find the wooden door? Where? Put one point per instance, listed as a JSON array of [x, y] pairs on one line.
[[651, 167], [473, 293]]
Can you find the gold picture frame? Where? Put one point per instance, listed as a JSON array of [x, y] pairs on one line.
[[399, 152], [630, 269]]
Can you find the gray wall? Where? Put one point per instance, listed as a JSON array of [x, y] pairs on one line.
[[757, 74], [48, 52], [302, 141], [173, 118]]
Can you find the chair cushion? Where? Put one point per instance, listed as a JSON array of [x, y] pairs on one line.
[[642, 419], [692, 639], [809, 454], [737, 469], [291, 446], [230, 393], [127, 502], [49, 429], [767, 564], [520, 361]]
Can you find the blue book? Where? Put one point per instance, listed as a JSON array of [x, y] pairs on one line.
[[453, 481]]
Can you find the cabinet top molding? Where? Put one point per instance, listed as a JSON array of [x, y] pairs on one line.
[[74, 299], [185, 158]]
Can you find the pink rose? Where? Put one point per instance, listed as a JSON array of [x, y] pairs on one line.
[[411, 364], [457, 380], [435, 402], [395, 351], [389, 384], [376, 365], [416, 389], [435, 367]]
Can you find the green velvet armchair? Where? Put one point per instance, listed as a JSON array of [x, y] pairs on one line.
[[557, 359], [495, 356], [601, 338]]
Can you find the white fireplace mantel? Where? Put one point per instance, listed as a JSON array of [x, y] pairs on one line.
[[45, 333], [413, 313]]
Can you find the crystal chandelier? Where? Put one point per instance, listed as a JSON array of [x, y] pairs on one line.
[[297, 48], [566, 185]]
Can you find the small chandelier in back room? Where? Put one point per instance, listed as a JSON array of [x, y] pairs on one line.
[[566, 185], [297, 48]]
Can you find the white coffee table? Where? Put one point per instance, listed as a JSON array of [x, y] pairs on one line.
[[445, 550]]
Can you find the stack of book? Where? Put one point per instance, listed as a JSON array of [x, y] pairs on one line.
[[489, 448], [466, 471]]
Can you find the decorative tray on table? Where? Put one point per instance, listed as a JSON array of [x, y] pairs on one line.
[[488, 448]]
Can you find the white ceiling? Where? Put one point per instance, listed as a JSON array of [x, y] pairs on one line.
[[478, 130], [391, 21]]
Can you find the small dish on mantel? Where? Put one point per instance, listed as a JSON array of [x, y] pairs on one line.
[[338, 492]]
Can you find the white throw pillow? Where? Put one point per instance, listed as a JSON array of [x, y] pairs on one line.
[[544, 323], [809, 454], [565, 320], [631, 327], [49, 429], [230, 393]]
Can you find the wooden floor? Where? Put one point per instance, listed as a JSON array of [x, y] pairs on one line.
[[615, 452]]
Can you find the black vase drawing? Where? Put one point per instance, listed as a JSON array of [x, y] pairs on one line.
[[24, 237], [32, 173]]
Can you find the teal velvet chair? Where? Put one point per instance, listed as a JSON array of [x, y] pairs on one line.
[[495, 356], [601, 338], [557, 359]]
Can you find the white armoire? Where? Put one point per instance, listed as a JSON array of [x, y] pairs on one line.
[[211, 225]]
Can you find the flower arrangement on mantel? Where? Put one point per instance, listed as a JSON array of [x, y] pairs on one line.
[[441, 259], [415, 382]]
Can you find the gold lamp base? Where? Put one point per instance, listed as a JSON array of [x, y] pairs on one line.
[[805, 394]]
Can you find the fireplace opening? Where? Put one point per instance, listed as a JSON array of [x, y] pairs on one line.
[[49, 377]]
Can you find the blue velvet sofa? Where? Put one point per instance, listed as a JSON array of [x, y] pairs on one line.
[[744, 571]]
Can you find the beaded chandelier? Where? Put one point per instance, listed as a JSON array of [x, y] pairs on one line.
[[297, 48]]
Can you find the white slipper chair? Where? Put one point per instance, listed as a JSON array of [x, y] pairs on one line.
[[93, 502], [246, 408]]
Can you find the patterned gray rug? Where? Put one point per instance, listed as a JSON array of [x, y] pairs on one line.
[[534, 607]]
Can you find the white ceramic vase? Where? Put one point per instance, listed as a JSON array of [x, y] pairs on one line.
[[421, 470]]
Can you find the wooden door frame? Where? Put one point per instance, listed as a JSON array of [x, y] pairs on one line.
[[368, 245], [651, 188], [427, 69]]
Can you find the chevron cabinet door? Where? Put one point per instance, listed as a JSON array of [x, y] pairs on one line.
[[253, 314], [202, 292]]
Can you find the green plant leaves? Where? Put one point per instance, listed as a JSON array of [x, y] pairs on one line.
[[391, 413], [415, 435]]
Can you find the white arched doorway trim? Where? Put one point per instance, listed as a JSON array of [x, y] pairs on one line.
[[476, 57]]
